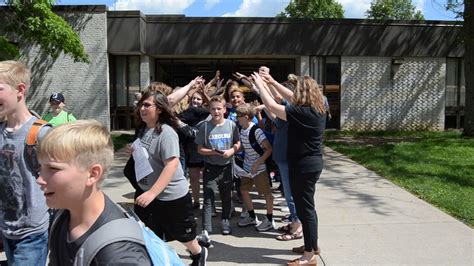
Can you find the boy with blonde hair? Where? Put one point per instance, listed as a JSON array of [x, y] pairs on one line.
[[217, 140], [24, 216], [75, 159]]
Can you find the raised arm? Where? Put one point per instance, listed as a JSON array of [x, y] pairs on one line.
[[270, 103], [179, 93], [280, 89], [261, 107]]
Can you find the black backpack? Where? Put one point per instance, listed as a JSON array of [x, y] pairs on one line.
[[253, 141]]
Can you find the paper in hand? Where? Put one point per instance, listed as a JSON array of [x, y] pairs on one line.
[[239, 171], [142, 165]]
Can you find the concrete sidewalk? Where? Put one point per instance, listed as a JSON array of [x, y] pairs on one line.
[[363, 220]]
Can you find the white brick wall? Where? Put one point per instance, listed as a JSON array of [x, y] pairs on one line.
[[376, 97], [85, 86]]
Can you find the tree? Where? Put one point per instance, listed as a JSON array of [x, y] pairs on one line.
[[313, 9], [465, 9], [393, 9], [33, 21]]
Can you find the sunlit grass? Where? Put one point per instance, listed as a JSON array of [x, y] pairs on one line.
[[436, 166]]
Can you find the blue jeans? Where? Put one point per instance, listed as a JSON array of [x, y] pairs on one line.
[[285, 181], [31, 250]]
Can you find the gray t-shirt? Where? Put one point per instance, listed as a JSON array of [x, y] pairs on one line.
[[161, 147], [23, 209], [219, 137]]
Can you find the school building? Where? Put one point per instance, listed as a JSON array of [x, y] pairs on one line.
[[377, 75]]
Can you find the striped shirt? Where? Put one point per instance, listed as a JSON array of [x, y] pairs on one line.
[[251, 156]]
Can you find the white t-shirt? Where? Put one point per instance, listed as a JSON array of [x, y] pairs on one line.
[[251, 156]]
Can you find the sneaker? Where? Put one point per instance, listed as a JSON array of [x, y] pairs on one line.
[[226, 227], [265, 225], [247, 220], [203, 239], [244, 214], [199, 259]]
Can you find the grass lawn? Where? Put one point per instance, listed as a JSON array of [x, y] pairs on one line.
[[436, 166], [121, 140]]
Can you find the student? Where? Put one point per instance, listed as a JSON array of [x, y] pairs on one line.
[[306, 118], [193, 116], [254, 164], [237, 98], [164, 203], [75, 159], [217, 140], [57, 115], [24, 217]]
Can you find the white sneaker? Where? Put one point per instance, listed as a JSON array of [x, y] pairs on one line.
[[247, 220], [265, 225]]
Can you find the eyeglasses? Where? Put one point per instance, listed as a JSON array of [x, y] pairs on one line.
[[147, 105], [240, 115]]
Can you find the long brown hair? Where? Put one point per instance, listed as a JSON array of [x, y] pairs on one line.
[[166, 116], [307, 93]]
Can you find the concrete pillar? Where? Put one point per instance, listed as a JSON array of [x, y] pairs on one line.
[[302, 65], [145, 72]]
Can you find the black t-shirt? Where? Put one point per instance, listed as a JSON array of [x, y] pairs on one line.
[[193, 115], [305, 136], [64, 251]]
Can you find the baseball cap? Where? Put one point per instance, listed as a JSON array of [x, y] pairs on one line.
[[56, 97]]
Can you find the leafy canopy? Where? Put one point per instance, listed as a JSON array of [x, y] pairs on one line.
[[313, 9], [393, 9], [33, 21]]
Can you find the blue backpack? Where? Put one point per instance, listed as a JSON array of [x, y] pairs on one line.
[[113, 231]]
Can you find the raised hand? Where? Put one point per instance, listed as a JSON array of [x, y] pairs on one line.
[[267, 77]]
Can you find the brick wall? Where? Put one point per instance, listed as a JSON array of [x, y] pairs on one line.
[[378, 95], [85, 86]]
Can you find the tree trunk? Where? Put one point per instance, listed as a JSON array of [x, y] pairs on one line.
[[469, 67]]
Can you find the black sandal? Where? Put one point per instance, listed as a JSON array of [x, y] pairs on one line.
[[285, 229]]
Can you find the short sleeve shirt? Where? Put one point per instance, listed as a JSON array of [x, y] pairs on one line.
[[23, 209], [219, 137], [251, 156], [63, 251], [62, 118], [305, 136], [161, 147]]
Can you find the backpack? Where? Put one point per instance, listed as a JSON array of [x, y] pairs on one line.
[[253, 141], [258, 149], [113, 231], [31, 142]]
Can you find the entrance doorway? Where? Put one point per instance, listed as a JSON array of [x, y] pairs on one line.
[[178, 72]]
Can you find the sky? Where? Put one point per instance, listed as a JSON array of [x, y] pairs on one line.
[[431, 9]]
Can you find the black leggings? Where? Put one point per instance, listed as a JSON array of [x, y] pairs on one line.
[[303, 186]]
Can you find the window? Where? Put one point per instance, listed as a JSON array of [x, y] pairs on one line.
[[455, 93], [124, 82], [327, 72]]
